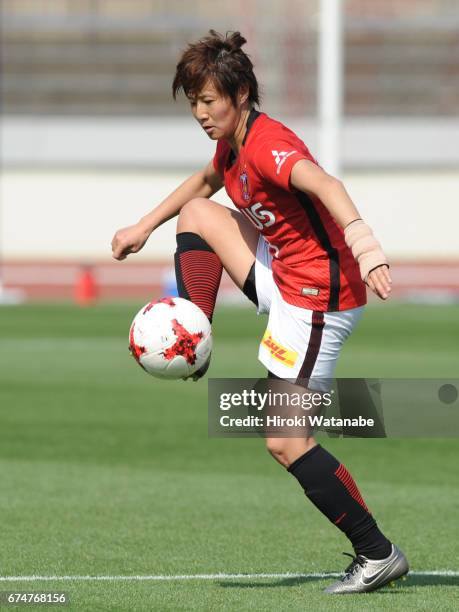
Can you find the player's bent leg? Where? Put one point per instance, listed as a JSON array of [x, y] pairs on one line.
[[198, 271], [210, 236], [227, 233]]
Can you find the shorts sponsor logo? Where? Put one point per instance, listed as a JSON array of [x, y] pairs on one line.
[[279, 352]]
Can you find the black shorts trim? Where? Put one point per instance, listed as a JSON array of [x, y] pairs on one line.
[[249, 289]]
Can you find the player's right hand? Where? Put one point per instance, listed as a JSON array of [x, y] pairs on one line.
[[129, 240]]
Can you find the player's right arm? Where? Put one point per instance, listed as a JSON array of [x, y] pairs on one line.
[[202, 184]]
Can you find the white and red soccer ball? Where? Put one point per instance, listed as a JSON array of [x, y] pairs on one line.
[[170, 338]]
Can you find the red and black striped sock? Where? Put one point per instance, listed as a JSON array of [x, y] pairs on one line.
[[198, 271], [331, 488]]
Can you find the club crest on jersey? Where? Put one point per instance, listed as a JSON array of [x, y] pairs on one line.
[[244, 180]]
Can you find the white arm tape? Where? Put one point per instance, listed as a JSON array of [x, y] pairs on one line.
[[366, 249]]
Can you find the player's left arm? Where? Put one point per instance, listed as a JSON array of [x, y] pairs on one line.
[[308, 177]]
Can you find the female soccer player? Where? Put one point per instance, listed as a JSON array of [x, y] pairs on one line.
[[297, 247]]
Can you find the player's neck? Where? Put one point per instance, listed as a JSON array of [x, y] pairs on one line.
[[239, 134]]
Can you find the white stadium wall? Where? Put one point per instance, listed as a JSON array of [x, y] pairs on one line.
[[170, 143], [71, 215], [403, 174], [68, 184]]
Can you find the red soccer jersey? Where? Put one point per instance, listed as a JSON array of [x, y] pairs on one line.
[[312, 265]]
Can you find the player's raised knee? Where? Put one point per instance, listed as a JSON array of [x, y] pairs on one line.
[[192, 214], [195, 206]]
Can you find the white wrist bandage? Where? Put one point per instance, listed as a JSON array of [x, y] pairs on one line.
[[366, 249]]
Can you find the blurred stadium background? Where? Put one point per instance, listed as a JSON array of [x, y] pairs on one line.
[[91, 139], [108, 472]]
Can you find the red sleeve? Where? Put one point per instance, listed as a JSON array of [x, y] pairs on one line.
[[274, 160], [221, 157]]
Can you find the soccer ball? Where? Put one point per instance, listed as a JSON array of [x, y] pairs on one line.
[[170, 338]]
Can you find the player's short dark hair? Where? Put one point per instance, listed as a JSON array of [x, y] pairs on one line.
[[220, 59]]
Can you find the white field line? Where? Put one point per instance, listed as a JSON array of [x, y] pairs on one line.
[[181, 577]]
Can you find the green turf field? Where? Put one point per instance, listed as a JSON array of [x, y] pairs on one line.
[[107, 472]]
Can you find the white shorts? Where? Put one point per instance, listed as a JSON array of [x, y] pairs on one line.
[[298, 343]]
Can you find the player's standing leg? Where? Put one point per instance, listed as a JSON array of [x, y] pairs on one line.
[[331, 488]]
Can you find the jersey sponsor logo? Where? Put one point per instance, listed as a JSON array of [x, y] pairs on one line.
[[244, 183], [280, 157], [259, 216], [279, 352]]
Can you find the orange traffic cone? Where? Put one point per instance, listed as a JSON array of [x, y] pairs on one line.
[[85, 287]]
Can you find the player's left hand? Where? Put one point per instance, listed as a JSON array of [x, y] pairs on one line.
[[380, 282]]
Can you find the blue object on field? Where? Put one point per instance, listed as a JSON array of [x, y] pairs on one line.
[[170, 284]]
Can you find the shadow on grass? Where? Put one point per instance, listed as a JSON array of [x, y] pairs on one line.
[[411, 581]]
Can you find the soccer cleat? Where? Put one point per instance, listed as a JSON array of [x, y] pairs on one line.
[[199, 373], [364, 575]]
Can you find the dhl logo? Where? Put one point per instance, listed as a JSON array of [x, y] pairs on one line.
[[278, 351]]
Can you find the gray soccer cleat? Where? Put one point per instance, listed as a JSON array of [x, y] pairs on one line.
[[364, 575]]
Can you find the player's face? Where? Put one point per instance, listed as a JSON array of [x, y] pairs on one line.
[[215, 113]]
